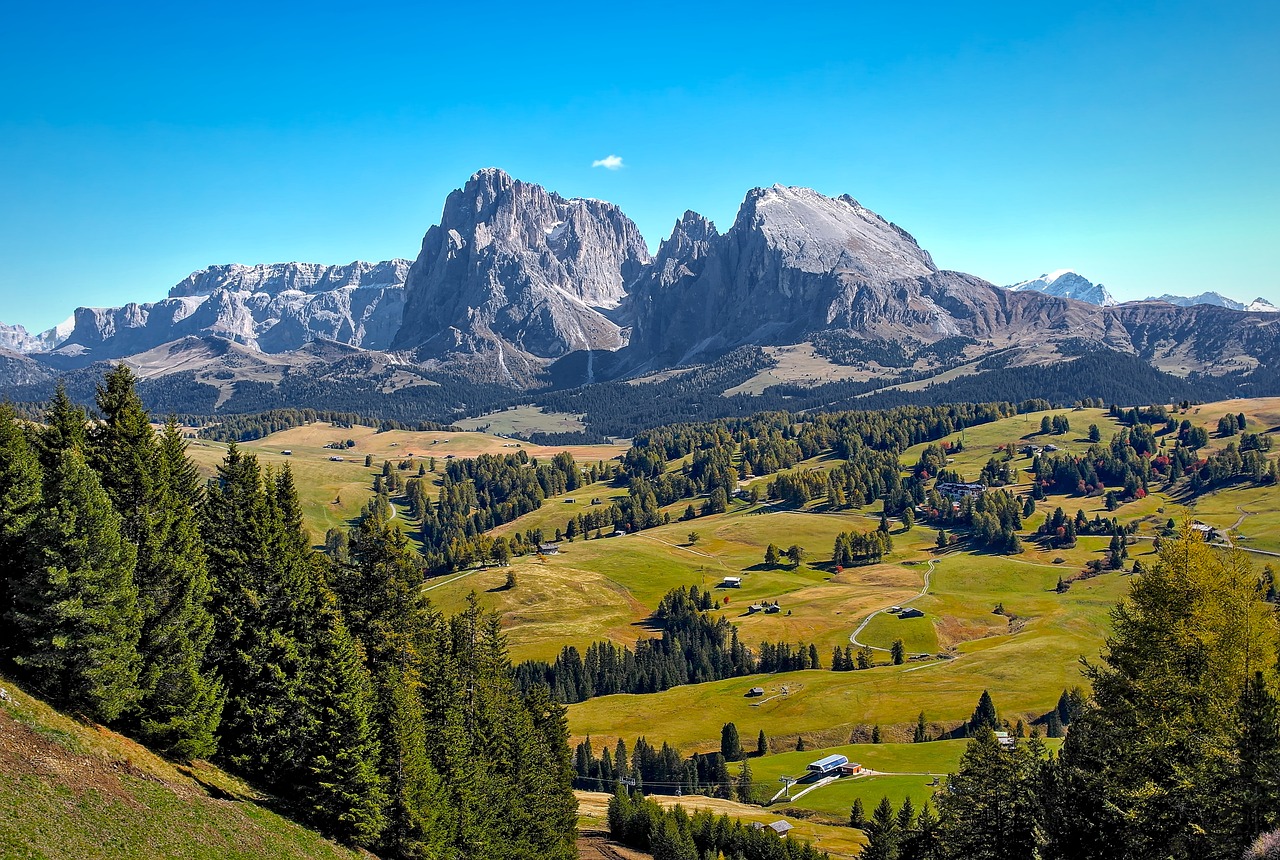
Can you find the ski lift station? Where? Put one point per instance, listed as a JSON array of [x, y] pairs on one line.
[[827, 765]]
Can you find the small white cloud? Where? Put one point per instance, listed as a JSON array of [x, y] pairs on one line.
[[613, 162]]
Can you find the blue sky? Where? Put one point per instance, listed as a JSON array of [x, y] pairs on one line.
[[1136, 143]]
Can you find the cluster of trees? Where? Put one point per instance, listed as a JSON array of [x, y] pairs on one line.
[[851, 347], [664, 770], [693, 648], [782, 657], [244, 428], [847, 660], [1233, 464], [1057, 425], [673, 834], [773, 555], [199, 620], [1229, 425], [478, 494], [1176, 753], [861, 547], [993, 519], [1061, 531]]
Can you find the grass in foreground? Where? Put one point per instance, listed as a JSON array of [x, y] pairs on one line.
[[75, 791]]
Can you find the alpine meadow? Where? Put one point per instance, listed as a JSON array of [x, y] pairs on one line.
[[452, 433]]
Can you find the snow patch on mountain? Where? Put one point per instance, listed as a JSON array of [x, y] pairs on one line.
[[1068, 284], [1258, 305]]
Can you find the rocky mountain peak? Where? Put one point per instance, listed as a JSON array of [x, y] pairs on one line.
[[815, 233], [1067, 284], [272, 279], [514, 266], [689, 239], [1215, 299]]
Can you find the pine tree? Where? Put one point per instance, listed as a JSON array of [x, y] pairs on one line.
[[1255, 791], [20, 480], [417, 809], [1143, 769], [64, 429], [857, 815], [745, 787], [898, 651], [265, 598], [342, 791], [920, 735], [883, 832], [762, 744], [730, 745], [182, 699], [989, 809], [75, 609], [984, 716]]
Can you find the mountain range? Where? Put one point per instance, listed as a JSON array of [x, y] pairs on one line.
[[520, 288], [1069, 284]]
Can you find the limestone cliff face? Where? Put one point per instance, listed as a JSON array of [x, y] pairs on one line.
[[515, 279], [515, 269], [796, 262], [272, 308]]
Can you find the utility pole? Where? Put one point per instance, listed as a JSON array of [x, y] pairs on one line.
[[787, 782]]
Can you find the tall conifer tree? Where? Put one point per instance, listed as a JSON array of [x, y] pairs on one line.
[[19, 506], [341, 790], [75, 610], [154, 487]]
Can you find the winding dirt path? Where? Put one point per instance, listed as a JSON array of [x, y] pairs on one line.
[[853, 637]]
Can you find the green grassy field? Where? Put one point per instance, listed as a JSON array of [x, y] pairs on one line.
[[1025, 656], [837, 840], [1025, 670], [524, 420], [607, 588], [77, 791], [903, 770], [332, 493]]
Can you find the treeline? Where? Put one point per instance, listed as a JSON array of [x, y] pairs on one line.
[[479, 494], [1176, 754], [673, 834], [199, 620], [663, 770], [244, 428], [694, 648]]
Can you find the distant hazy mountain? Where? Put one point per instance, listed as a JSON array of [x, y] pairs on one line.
[[270, 308], [1258, 305], [18, 339], [1068, 284]]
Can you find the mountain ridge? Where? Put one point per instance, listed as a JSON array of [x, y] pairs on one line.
[[521, 288]]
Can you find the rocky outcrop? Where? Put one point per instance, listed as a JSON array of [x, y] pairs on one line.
[[15, 338], [270, 308], [796, 262], [520, 286], [517, 272], [1067, 284]]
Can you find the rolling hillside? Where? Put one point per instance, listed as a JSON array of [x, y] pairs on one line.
[[78, 791]]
